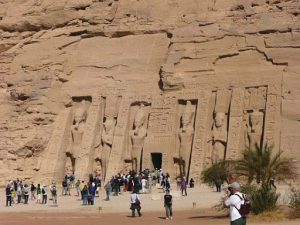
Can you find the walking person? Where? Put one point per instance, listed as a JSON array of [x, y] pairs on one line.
[[135, 204], [168, 205], [44, 193], [183, 187], [234, 201], [8, 195]]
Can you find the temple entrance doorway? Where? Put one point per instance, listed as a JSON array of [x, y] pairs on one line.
[[156, 159]]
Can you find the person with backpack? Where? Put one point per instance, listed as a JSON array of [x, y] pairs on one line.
[[238, 204], [135, 204], [168, 205]]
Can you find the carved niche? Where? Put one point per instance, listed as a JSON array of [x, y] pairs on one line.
[[254, 116], [187, 111], [219, 137], [80, 106], [138, 133], [107, 131]]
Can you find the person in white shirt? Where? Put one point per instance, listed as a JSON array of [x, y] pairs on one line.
[[135, 204], [234, 202]]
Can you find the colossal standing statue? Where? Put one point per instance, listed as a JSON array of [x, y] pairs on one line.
[[186, 134], [254, 129], [138, 134], [107, 141], [77, 129], [219, 137]]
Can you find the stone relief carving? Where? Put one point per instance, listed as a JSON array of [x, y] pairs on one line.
[[107, 141], [254, 129], [219, 137], [137, 136], [77, 129], [186, 134]]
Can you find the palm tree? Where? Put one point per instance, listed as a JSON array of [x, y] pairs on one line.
[[261, 165], [221, 170]]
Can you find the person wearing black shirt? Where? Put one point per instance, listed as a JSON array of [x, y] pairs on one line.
[[168, 205]]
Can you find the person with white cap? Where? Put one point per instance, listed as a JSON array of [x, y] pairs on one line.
[[234, 202]]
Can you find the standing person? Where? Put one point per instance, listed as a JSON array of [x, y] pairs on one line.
[[183, 187], [168, 205], [44, 193], [135, 204], [85, 194], [53, 193], [26, 193], [38, 194], [8, 195], [192, 183], [32, 190], [92, 192], [218, 183], [64, 186], [19, 193], [234, 202], [77, 186], [81, 186], [107, 190]]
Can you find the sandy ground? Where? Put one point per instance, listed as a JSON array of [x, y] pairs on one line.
[[116, 211]]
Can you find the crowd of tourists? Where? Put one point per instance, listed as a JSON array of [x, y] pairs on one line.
[[21, 192], [18, 191]]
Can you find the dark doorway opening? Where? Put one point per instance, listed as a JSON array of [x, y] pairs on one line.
[[156, 160]]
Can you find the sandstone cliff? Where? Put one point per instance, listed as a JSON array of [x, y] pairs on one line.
[[52, 50]]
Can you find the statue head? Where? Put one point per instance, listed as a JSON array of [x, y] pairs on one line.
[[80, 115], [219, 119], [109, 123], [140, 116], [187, 114], [255, 118]]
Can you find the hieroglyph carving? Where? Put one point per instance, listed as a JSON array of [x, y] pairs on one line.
[[186, 134], [137, 135]]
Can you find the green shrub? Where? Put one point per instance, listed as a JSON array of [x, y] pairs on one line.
[[262, 199], [295, 201]]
